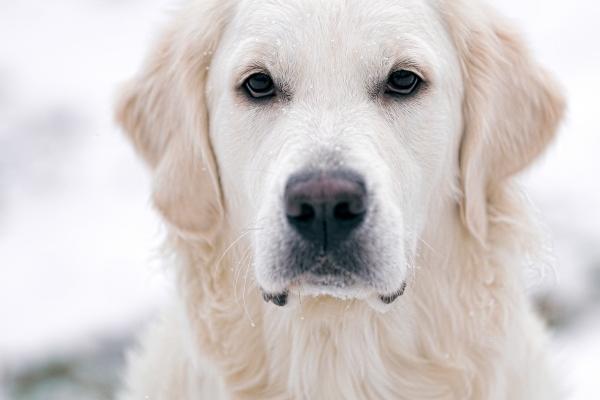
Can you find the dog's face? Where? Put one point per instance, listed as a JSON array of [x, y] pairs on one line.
[[334, 139], [333, 133]]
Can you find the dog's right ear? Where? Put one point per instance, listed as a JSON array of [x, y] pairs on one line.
[[146, 104], [164, 113]]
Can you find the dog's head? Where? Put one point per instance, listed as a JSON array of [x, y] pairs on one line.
[[332, 133]]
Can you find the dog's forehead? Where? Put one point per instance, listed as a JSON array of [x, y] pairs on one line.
[[305, 28], [375, 16]]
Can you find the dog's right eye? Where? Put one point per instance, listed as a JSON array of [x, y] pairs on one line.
[[260, 86], [403, 83]]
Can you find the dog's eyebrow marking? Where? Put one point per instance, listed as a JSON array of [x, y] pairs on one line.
[[259, 56]]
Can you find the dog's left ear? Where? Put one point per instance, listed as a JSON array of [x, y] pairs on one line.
[[511, 108]]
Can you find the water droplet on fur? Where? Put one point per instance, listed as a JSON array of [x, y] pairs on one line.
[[252, 324], [471, 313], [302, 318]]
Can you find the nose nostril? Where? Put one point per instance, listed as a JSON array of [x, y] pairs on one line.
[[344, 212], [307, 213], [304, 213]]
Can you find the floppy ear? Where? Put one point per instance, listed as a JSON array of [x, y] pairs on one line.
[[511, 107], [164, 113]]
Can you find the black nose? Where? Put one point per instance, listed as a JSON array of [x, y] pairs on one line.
[[325, 207]]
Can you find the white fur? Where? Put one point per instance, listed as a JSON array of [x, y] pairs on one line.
[[438, 164]]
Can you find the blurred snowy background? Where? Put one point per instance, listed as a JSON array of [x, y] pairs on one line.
[[78, 272]]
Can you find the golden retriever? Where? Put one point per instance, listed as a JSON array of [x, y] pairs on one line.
[[335, 178]]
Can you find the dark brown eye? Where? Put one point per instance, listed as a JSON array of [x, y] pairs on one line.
[[403, 83], [260, 86]]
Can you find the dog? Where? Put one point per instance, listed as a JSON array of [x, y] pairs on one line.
[[335, 177]]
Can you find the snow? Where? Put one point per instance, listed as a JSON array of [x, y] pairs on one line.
[[78, 237], [77, 234]]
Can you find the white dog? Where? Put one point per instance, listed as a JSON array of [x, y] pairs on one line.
[[335, 179]]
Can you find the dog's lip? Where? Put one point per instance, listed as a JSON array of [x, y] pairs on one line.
[[389, 299], [279, 299]]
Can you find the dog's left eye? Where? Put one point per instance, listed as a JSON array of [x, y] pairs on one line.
[[260, 86], [402, 83]]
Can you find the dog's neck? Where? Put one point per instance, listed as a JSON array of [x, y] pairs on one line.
[[449, 327]]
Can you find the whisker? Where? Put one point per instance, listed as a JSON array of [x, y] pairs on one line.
[[238, 273], [236, 241], [244, 304], [428, 245]]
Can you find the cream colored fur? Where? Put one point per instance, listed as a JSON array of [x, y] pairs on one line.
[[464, 328]]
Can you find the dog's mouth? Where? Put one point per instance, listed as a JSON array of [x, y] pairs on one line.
[[281, 299], [343, 277]]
